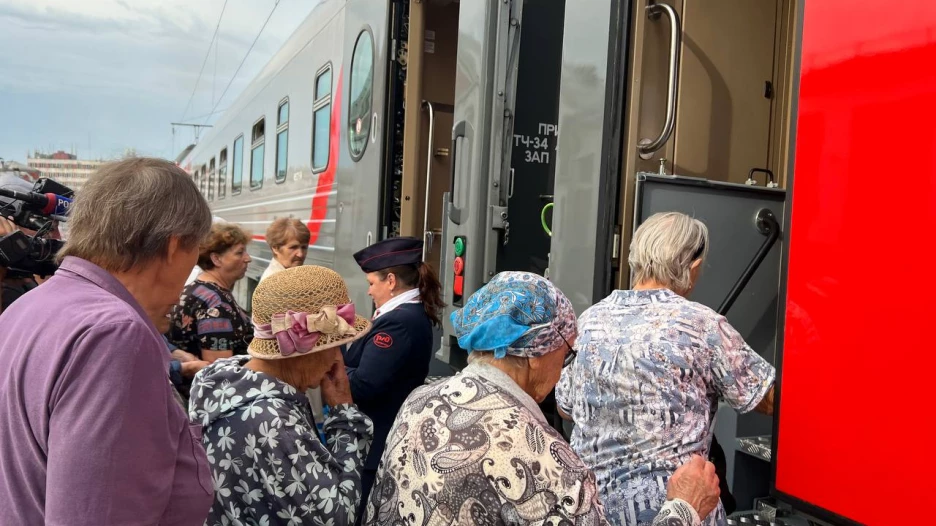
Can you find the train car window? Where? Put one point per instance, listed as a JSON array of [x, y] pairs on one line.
[[257, 135], [237, 165], [283, 114], [282, 140], [197, 179], [361, 88], [211, 179], [323, 83], [321, 119], [222, 173]]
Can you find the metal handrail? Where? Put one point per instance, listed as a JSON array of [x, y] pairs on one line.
[[767, 224], [427, 232], [653, 11]]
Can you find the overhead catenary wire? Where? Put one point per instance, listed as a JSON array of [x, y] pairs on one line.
[[193, 119], [204, 62], [236, 71]]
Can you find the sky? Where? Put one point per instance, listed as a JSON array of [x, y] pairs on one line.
[[98, 77]]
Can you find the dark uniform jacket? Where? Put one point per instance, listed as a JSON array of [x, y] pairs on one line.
[[386, 365]]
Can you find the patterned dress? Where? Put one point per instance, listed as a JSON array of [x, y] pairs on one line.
[[207, 317], [651, 369], [475, 449], [268, 465]]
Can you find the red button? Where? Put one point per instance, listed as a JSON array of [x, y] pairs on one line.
[[458, 266], [459, 287]]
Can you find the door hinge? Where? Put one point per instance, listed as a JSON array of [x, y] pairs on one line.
[[499, 221]]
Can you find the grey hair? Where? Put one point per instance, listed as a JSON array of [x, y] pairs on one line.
[[664, 247], [126, 213], [487, 357]]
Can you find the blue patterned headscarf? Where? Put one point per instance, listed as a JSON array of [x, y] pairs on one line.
[[516, 313]]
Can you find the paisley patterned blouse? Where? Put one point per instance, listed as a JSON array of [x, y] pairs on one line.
[[651, 369], [474, 449]]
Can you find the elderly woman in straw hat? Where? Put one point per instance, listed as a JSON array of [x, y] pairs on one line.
[[476, 449], [268, 464]]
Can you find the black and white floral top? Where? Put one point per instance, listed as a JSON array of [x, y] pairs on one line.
[[268, 464]]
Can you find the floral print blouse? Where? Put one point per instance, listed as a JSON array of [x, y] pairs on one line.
[[268, 465], [651, 369], [207, 317]]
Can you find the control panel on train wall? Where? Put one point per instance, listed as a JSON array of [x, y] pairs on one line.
[[854, 441]]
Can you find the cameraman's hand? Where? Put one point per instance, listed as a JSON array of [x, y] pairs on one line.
[[6, 227]]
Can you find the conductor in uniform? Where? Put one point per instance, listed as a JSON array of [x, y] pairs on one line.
[[393, 359]]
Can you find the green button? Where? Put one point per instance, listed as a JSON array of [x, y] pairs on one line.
[[459, 247]]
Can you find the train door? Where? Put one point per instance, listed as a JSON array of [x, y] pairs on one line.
[[429, 42], [706, 133], [430, 50], [711, 97], [478, 162], [362, 98]]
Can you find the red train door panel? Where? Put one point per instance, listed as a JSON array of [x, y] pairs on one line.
[[855, 433]]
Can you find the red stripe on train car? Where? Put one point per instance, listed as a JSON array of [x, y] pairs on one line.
[[327, 178]]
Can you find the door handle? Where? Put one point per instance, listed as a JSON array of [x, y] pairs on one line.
[[427, 233], [458, 131], [647, 147]]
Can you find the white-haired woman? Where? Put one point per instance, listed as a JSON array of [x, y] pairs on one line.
[[289, 240], [651, 369], [92, 432], [267, 461], [476, 449]]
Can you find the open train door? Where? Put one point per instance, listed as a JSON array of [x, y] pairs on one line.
[[502, 155], [475, 211]]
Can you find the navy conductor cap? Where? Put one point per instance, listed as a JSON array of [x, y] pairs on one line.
[[390, 253]]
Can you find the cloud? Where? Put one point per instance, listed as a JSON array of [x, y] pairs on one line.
[[121, 70]]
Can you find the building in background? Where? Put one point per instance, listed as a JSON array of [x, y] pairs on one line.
[[64, 168]]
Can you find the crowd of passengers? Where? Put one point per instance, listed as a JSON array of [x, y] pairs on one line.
[[125, 403]]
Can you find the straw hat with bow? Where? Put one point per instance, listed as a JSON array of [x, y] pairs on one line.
[[303, 310]]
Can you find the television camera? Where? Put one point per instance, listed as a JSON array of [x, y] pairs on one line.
[[31, 251]]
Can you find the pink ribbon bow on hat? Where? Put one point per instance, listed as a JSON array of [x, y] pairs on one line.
[[298, 332]]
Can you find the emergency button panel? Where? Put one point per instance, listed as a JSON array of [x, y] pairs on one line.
[[458, 271]]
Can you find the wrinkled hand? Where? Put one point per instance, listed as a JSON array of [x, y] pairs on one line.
[[191, 368], [696, 483], [336, 388], [182, 356]]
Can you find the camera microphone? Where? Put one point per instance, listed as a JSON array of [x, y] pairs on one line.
[[47, 204]]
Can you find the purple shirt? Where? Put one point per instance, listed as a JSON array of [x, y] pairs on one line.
[[91, 432]]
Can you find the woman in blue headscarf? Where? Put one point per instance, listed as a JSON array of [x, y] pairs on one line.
[[476, 449]]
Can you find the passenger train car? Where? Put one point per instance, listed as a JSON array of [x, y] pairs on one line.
[[537, 135]]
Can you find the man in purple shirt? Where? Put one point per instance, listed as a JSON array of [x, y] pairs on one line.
[[92, 433]]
